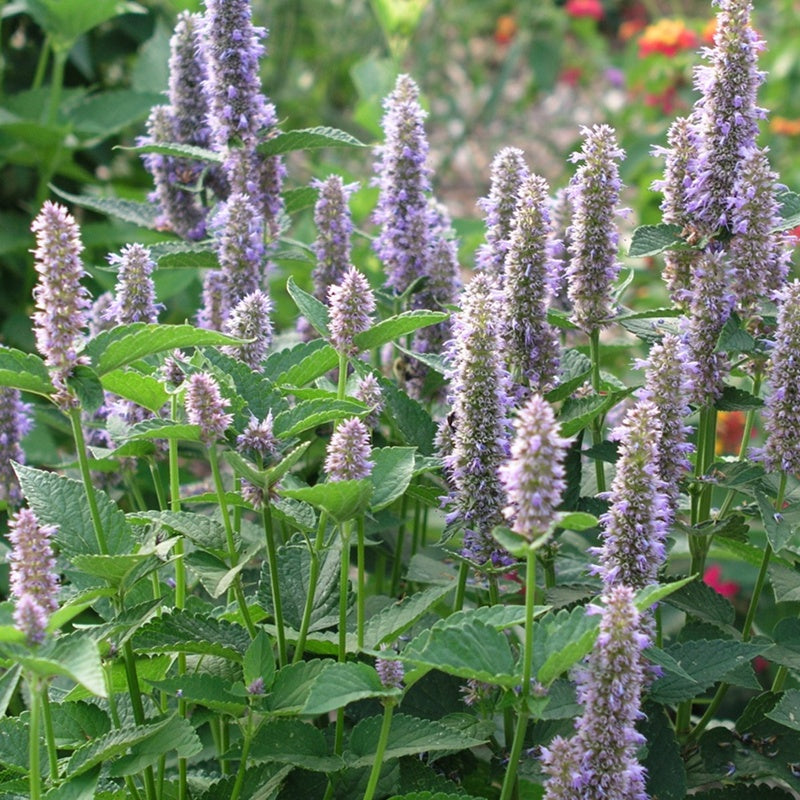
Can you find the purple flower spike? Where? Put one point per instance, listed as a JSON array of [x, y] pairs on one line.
[[215, 308], [508, 171], [259, 438], [250, 319], [348, 452], [781, 415], [206, 408], [534, 476], [135, 292], [726, 115], [351, 306], [368, 392], [478, 441], [61, 302], [33, 578], [634, 528], [559, 239], [15, 423], [594, 192], [404, 179], [533, 343], [599, 762], [334, 228], [390, 672]]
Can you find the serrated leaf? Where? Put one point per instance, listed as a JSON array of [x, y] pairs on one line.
[[391, 621], [650, 595], [311, 413], [178, 737], [666, 772], [561, 640], [163, 429], [413, 422], [736, 399], [389, 329], [214, 573], [515, 543], [124, 344], [342, 500], [66, 20], [704, 603], [779, 531], [293, 684], [143, 214], [307, 139], [144, 390], [295, 514], [184, 632], [343, 683], [14, 742], [311, 308], [105, 113], [785, 581], [274, 474], [578, 413], [573, 371], [75, 723], [392, 470], [734, 338], [789, 210], [787, 712], [277, 364], [650, 240], [259, 661], [114, 569], [299, 198], [203, 531], [407, 736], [203, 689], [24, 371], [290, 741], [178, 150], [786, 650], [321, 359]]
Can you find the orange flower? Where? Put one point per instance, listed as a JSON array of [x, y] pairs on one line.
[[505, 29], [785, 127], [667, 36], [710, 29], [629, 29], [585, 8], [730, 427]]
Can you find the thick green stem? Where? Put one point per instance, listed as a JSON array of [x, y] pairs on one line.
[[41, 64], [135, 692], [383, 741], [86, 476], [597, 423], [341, 387], [344, 583], [60, 54], [362, 583], [313, 576], [274, 577], [248, 738], [49, 735], [34, 768], [461, 586]]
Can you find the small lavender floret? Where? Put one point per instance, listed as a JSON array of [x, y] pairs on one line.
[[347, 457], [256, 687], [215, 307], [634, 527], [594, 191], [534, 475], [250, 319], [404, 180], [15, 423], [782, 403], [533, 344], [135, 299], [368, 391], [33, 579], [206, 408], [508, 172], [599, 762], [61, 302], [351, 304], [390, 672], [260, 177], [99, 319], [259, 437]]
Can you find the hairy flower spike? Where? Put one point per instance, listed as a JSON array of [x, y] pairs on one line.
[[634, 528], [534, 476], [348, 452], [206, 408], [404, 180], [259, 177], [135, 299], [533, 343], [259, 438], [390, 672], [250, 319], [480, 403], [508, 172], [33, 579], [61, 302], [351, 306], [334, 228], [368, 391], [15, 423], [726, 115], [559, 239], [599, 761], [215, 306], [781, 420], [594, 192]]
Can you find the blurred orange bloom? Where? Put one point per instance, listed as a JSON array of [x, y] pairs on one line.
[[505, 29], [629, 29], [667, 36], [785, 127], [709, 30], [730, 427], [585, 8]]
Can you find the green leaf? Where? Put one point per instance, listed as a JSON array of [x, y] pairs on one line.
[[393, 620], [124, 344], [515, 543], [115, 569], [178, 150], [205, 532], [650, 595], [789, 210], [307, 139], [204, 689], [214, 573], [577, 413], [702, 602], [785, 581], [290, 741], [184, 255], [259, 661], [274, 474], [342, 500], [143, 214], [184, 632], [75, 723], [62, 502], [577, 521], [735, 399], [103, 114], [144, 390], [650, 240], [24, 371], [343, 683], [561, 640], [472, 650], [82, 787], [574, 370], [322, 358], [163, 429], [394, 327], [8, 686], [393, 468], [66, 20], [787, 712], [407, 736], [298, 199], [311, 308], [414, 423], [666, 772], [786, 650], [734, 338], [14, 738], [311, 413], [293, 684], [779, 531], [177, 736]]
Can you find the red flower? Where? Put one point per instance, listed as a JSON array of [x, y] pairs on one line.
[[667, 36], [585, 8], [712, 577]]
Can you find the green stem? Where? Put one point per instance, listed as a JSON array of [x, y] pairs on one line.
[[160, 496], [362, 588], [383, 741], [86, 475], [41, 64], [135, 692], [510, 780], [248, 738], [397, 566], [461, 586], [313, 576], [341, 388], [50, 738], [60, 54], [274, 577], [34, 768], [344, 582], [597, 423]]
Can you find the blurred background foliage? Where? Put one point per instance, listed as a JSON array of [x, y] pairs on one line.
[[79, 77]]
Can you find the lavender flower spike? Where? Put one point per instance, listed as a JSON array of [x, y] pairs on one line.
[[215, 307], [533, 343], [250, 319], [15, 423], [348, 452], [534, 476], [726, 115], [61, 302], [351, 306], [206, 408], [594, 192], [781, 422], [368, 391], [259, 437], [635, 525], [135, 299], [601, 756], [479, 439], [334, 228], [404, 179], [33, 578], [508, 172]]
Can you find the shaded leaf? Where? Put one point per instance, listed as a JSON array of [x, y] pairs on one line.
[[343, 683], [650, 240], [24, 371], [307, 139], [290, 741]]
